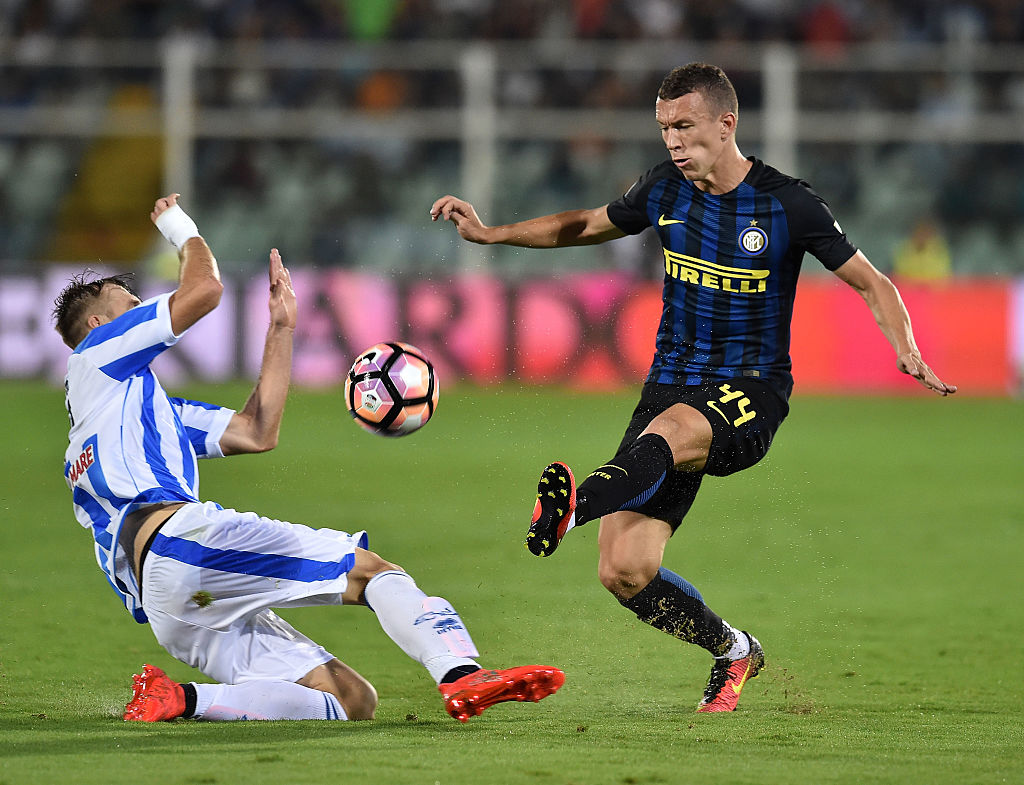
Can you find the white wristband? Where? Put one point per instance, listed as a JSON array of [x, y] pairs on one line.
[[176, 226]]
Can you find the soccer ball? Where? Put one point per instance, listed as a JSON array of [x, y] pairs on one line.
[[391, 389]]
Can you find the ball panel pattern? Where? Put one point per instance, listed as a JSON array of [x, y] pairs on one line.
[[391, 389]]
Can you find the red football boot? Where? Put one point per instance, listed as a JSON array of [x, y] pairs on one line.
[[154, 697], [729, 676], [470, 695]]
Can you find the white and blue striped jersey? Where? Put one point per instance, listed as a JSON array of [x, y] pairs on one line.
[[130, 444]]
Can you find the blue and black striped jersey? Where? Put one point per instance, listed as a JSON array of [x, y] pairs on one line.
[[731, 266]]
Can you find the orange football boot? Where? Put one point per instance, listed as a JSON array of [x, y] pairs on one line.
[[553, 512], [729, 676], [154, 697], [470, 695]]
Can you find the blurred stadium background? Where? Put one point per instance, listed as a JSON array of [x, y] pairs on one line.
[[327, 128], [876, 528]]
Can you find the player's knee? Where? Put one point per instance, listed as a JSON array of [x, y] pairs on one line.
[[355, 694], [687, 432], [369, 564], [360, 702], [624, 578]]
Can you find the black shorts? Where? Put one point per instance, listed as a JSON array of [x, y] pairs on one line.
[[744, 416]]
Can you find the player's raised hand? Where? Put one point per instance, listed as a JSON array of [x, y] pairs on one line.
[[162, 204], [911, 363], [462, 214], [282, 295]]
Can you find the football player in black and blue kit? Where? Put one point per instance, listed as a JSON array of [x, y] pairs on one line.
[[734, 232]]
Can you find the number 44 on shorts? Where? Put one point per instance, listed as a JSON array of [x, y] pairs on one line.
[[741, 402]]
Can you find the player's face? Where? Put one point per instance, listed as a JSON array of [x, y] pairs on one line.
[[115, 300], [694, 133]]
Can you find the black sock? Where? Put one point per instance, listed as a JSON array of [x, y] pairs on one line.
[[190, 699], [627, 481], [668, 606], [458, 672]]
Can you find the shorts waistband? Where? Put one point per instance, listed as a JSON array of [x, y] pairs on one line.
[[130, 527]]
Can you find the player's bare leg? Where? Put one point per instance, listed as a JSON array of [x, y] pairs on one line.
[[626, 481], [356, 695], [679, 437], [631, 547]]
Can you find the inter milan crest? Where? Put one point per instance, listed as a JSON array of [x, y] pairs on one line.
[[753, 239]]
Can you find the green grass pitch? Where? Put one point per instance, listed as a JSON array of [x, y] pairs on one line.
[[877, 553]]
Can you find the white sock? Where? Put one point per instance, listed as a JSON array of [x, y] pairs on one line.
[[740, 647], [265, 700], [426, 628], [572, 523]]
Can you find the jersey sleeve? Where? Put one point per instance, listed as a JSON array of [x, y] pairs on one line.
[[816, 230], [629, 211], [204, 424], [129, 343]]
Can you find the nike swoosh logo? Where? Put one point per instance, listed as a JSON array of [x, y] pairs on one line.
[[737, 688], [663, 221]]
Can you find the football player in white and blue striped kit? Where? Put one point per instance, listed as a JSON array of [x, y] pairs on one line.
[[206, 578]]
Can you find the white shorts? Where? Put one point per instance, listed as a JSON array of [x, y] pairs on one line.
[[211, 577]]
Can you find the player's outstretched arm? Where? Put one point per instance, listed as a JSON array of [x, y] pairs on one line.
[[257, 426], [574, 227], [890, 313], [199, 287]]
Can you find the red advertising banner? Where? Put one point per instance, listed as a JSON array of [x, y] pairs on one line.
[[961, 327], [592, 331]]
